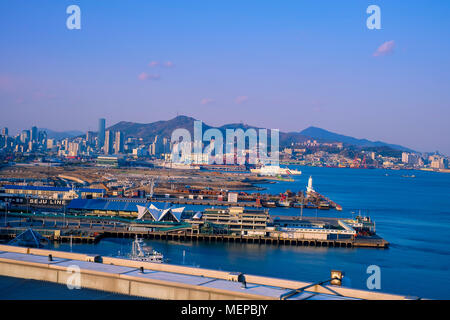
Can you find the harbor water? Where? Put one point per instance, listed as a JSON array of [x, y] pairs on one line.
[[411, 210]]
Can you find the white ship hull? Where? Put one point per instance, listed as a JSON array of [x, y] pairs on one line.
[[275, 171]]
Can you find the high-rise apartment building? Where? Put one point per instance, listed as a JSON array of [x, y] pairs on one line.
[[109, 142], [101, 132], [118, 144], [34, 134]]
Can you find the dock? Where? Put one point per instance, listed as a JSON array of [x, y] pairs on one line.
[[97, 234], [91, 229], [187, 236], [207, 202], [165, 281]]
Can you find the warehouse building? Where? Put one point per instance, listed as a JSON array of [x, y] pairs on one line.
[[53, 192]]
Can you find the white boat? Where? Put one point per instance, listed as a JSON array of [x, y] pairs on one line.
[[140, 253], [275, 171], [180, 166]]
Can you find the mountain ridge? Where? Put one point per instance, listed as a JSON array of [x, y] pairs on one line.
[[322, 134], [164, 128]]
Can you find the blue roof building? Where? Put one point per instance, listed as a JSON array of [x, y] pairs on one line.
[[136, 208]]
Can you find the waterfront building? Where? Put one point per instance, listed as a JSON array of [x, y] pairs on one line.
[[293, 228], [410, 158], [437, 162], [405, 157], [234, 219]]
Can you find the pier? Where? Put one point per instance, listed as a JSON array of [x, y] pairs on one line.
[[187, 236], [206, 197], [166, 281], [93, 235], [91, 229]]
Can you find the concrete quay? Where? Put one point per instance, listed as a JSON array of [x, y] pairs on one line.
[[165, 281], [187, 236]]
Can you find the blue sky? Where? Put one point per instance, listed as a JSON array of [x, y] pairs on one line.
[[277, 64]]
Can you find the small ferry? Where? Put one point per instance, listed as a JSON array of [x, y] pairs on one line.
[[324, 205], [268, 204], [275, 171], [283, 202]]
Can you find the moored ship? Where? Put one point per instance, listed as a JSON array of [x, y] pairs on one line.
[[268, 204], [275, 171], [140, 253]]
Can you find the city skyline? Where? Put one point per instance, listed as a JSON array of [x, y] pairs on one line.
[[307, 64], [104, 127]]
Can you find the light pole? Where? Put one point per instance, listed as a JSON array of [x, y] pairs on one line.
[[6, 212], [301, 212], [64, 215]]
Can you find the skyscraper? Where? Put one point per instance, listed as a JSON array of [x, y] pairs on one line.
[[109, 141], [101, 132], [89, 137], [5, 131], [25, 136], [118, 145], [34, 134], [157, 147]]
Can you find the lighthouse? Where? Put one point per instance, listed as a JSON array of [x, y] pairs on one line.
[[309, 188]]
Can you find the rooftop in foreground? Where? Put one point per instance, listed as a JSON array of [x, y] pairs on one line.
[[165, 281]]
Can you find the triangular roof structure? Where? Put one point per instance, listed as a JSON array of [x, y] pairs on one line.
[[141, 211], [174, 212], [154, 213], [29, 238], [198, 215]]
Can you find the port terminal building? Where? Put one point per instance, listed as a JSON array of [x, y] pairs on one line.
[[139, 209], [234, 219], [323, 229]]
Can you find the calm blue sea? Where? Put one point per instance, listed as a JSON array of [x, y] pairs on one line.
[[413, 214]]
